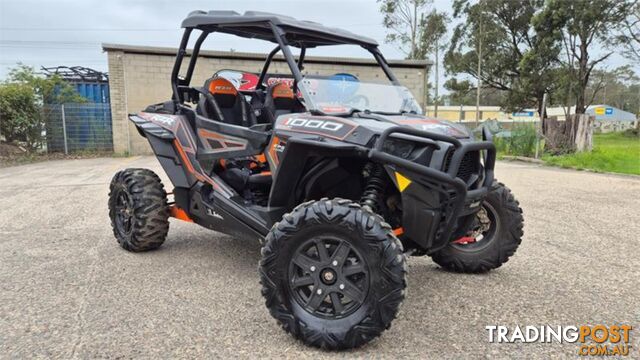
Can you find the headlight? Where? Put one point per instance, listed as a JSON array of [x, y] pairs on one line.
[[397, 147]]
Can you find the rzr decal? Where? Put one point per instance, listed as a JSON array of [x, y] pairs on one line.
[[165, 120], [222, 86], [327, 126], [169, 122]]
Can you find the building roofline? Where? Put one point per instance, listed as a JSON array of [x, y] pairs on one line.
[[465, 107], [169, 51]]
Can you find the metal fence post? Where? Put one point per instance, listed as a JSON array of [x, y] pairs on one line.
[[64, 130]]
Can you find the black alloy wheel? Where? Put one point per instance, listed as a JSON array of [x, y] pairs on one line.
[[328, 277], [124, 213]]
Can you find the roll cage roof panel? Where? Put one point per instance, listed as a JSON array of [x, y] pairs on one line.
[[283, 30], [257, 24]]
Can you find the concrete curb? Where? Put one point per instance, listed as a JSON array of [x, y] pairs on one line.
[[543, 163], [523, 159]]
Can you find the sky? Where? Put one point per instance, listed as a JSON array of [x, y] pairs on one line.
[[64, 32]]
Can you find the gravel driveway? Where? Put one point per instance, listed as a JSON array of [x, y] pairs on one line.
[[68, 290]]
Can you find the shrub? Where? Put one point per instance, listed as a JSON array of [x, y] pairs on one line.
[[520, 142], [20, 117]]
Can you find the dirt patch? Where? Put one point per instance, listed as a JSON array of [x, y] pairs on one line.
[[9, 150], [11, 155]]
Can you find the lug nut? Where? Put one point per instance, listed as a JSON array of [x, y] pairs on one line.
[[335, 263], [319, 291], [312, 268], [341, 286]]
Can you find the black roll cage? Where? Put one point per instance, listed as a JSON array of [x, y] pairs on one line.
[[180, 85]]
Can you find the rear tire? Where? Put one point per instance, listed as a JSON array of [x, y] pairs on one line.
[[138, 210], [499, 243], [333, 274]]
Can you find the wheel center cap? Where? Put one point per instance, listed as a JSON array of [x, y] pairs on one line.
[[328, 276]]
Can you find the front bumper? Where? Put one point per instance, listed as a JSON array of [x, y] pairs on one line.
[[431, 211]]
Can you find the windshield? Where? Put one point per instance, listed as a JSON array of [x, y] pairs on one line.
[[344, 93]]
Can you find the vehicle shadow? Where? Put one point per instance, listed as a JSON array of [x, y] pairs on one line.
[[200, 244]]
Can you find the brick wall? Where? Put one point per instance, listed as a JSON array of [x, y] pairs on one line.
[[140, 76]]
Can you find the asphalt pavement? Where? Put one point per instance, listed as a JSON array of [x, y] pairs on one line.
[[67, 290]]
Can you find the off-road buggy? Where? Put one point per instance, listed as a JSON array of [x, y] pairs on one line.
[[338, 178]]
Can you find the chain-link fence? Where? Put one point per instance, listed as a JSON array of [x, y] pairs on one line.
[[512, 138], [77, 127]]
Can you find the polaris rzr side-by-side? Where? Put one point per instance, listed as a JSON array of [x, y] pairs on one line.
[[339, 179]]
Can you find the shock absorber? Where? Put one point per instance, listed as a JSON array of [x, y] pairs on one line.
[[374, 189]]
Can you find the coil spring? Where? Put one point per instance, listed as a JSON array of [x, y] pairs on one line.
[[373, 190]]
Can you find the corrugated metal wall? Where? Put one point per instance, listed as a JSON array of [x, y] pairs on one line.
[[94, 92]]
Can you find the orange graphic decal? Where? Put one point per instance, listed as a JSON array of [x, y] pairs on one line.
[[282, 90], [178, 213], [222, 86]]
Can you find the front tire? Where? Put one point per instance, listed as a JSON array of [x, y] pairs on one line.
[[497, 243], [333, 274], [138, 210]]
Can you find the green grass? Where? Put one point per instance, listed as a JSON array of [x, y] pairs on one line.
[[522, 141], [612, 152]]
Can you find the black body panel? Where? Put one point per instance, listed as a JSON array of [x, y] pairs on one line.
[[296, 156], [220, 214], [162, 140]]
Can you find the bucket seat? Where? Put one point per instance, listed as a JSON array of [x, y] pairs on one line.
[[225, 104], [280, 100]]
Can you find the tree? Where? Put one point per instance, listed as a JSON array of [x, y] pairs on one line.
[[619, 87], [462, 93], [540, 71], [581, 28], [629, 36], [48, 90], [502, 29], [434, 29], [404, 19]]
